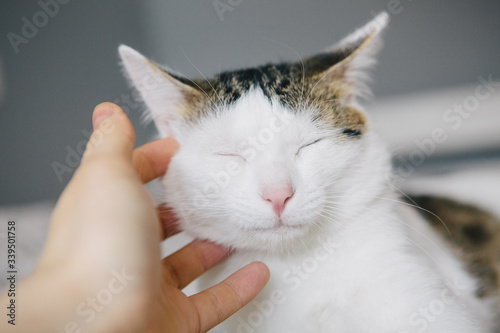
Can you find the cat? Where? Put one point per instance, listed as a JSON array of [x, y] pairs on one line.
[[279, 163]]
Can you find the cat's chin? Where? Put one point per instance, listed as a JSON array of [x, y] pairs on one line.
[[276, 239], [281, 229]]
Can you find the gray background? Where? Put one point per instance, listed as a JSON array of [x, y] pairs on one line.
[[49, 88]]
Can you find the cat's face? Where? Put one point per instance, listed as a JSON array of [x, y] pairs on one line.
[[268, 156], [260, 175]]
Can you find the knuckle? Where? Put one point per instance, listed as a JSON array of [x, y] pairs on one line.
[[235, 293], [217, 306], [172, 274]]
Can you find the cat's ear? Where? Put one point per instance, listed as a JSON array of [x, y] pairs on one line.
[[340, 68], [168, 99]]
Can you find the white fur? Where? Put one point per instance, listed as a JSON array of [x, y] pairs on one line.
[[346, 256], [386, 267], [212, 201]]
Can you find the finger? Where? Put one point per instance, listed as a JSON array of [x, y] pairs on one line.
[[168, 221], [194, 259], [113, 135], [219, 302], [151, 160]]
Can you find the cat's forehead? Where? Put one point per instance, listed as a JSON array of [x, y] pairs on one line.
[[254, 112], [276, 81], [293, 86]]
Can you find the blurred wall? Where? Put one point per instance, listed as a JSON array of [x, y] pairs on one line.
[[49, 87], [428, 44], [52, 84]]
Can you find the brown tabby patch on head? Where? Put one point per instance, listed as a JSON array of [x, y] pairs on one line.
[[315, 84], [473, 233]]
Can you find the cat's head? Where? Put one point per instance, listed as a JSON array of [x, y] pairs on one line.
[[272, 155]]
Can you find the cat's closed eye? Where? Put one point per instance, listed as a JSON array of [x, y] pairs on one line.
[[235, 155], [307, 145]]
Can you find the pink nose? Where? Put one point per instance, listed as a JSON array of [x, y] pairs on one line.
[[278, 197]]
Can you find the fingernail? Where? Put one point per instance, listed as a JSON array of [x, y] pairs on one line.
[[102, 111]]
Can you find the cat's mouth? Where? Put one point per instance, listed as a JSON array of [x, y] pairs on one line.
[[281, 227]]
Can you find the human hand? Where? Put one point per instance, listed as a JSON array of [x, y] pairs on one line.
[[101, 269]]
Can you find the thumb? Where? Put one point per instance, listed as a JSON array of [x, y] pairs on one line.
[[108, 154], [113, 135]]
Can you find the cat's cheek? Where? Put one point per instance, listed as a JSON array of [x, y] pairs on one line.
[[224, 177]]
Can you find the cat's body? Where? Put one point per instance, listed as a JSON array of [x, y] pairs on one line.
[[357, 282], [278, 163]]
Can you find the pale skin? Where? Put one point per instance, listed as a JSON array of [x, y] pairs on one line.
[[105, 223]]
